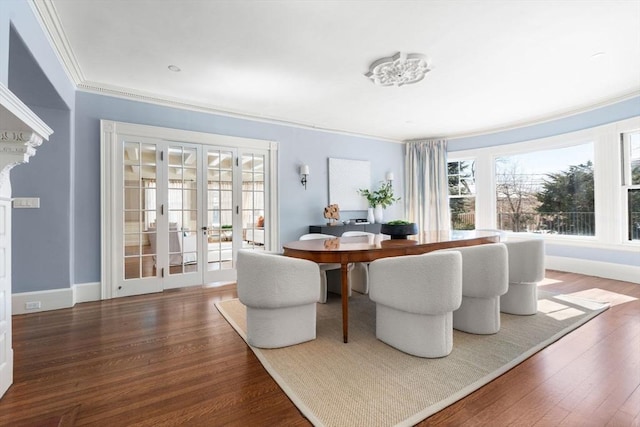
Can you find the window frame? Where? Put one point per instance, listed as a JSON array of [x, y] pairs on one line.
[[467, 196], [610, 223], [626, 179]]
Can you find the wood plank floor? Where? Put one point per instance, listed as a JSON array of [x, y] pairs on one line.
[[171, 359]]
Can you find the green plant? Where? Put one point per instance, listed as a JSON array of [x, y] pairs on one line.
[[398, 222], [383, 196]]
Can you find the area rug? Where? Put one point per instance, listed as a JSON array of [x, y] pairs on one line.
[[368, 383]]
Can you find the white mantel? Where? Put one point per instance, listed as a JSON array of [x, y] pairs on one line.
[[21, 132]]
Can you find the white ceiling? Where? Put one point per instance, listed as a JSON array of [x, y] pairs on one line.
[[495, 64]]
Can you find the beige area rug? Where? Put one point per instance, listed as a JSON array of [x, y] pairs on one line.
[[368, 383]]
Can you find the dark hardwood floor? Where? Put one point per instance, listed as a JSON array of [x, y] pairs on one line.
[[171, 359]]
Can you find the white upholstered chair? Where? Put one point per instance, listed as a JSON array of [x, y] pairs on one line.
[[415, 297], [280, 294], [526, 269], [359, 274], [484, 279], [324, 267]]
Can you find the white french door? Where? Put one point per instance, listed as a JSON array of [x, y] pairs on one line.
[[185, 210], [158, 213]]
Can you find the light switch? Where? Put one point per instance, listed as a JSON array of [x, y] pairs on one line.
[[26, 202]]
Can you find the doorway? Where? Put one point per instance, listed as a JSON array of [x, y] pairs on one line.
[[182, 205]]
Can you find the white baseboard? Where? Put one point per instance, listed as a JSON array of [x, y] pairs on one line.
[[54, 299], [626, 273], [85, 292]]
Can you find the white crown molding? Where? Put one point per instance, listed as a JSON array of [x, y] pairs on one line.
[[546, 118], [47, 16], [132, 94]]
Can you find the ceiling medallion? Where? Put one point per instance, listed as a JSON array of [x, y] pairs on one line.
[[399, 69]]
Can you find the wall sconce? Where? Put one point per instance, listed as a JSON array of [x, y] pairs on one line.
[[389, 177], [304, 172]]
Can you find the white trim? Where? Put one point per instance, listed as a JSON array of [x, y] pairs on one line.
[[627, 273], [30, 121], [47, 16], [111, 131], [607, 184], [56, 299], [49, 300], [86, 292], [149, 98], [547, 117]]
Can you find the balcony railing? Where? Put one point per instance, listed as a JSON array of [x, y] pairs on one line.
[[568, 223]]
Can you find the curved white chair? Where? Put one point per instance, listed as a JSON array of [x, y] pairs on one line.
[[280, 294], [526, 269], [359, 274], [485, 277], [415, 297], [324, 267]]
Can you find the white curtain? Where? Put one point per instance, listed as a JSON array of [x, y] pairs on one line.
[[427, 201]]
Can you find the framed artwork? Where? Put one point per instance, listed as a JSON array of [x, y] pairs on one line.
[[346, 177]]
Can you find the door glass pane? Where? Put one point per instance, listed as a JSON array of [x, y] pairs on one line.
[[139, 213], [183, 210], [253, 209], [219, 209]]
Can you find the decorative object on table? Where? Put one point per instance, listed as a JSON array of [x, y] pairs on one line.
[[399, 229], [332, 243], [332, 213], [378, 200], [370, 217]]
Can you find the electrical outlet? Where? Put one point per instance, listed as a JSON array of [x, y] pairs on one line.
[[32, 305]]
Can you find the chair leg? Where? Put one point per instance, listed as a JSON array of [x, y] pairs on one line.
[[322, 297], [520, 299]]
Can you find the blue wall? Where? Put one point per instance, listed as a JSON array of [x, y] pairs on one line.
[[63, 236], [41, 237], [596, 117], [298, 207]]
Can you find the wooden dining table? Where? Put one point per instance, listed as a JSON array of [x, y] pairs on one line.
[[346, 250]]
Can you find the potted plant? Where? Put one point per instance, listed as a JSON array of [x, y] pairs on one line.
[[380, 198], [399, 229]]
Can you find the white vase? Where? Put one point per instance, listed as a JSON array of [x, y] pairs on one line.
[[370, 217], [377, 214]]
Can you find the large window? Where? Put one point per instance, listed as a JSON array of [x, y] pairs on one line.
[[462, 194], [547, 191], [631, 182], [581, 188]]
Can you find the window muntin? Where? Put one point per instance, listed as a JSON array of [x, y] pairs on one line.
[[631, 183], [462, 194], [547, 191]]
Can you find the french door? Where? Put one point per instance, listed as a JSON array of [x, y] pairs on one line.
[[182, 212]]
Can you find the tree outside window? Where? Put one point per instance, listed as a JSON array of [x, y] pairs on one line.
[[550, 191], [462, 194]]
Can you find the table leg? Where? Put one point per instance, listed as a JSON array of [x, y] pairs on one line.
[[345, 301]]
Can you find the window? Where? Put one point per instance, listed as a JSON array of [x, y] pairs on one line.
[[547, 191], [631, 182], [462, 194]]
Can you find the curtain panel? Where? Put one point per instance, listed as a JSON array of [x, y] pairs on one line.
[[427, 190]]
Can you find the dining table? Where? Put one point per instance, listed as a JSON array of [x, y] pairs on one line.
[[346, 250]]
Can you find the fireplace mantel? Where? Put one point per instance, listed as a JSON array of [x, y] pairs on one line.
[[21, 132]]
